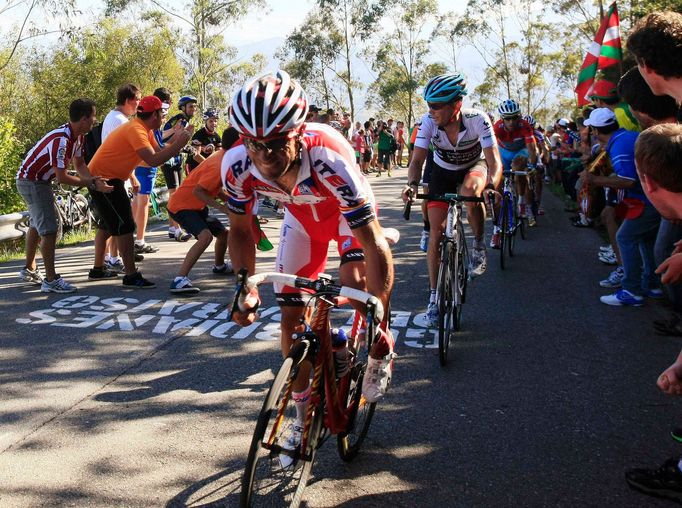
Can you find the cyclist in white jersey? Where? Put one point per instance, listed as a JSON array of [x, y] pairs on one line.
[[472, 163]]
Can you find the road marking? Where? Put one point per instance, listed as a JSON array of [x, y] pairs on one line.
[[198, 318]]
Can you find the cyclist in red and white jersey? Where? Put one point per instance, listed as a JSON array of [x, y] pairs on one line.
[[468, 164], [518, 150], [312, 170]]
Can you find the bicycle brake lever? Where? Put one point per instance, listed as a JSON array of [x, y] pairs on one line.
[[241, 286]]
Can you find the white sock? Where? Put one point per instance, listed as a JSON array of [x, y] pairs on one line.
[[301, 401], [522, 200], [139, 242], [432, 296]]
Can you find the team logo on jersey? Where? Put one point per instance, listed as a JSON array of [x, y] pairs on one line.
[[61, 153], [470, 115], [304, 189]]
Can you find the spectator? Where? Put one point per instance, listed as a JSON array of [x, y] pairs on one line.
[[127, 98], [115, 161], [400, 140], [656, 42], [49, 159], [313, 114], [410, 145], [206, 140], [189, 207], [360, 150], [173, 168], [604, 94], [146, 177], [385, 144], [637, 234], [345, 124], [658, 154], [369, 139]]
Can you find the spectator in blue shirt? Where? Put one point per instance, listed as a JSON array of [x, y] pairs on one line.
[[637, 234]]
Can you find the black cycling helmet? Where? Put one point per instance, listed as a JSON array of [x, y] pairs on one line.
[[186, 99]]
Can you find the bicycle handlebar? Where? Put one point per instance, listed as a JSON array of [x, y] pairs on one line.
[[447, 197], [321, 285]]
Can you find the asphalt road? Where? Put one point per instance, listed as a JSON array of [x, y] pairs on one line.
[[113, 397]]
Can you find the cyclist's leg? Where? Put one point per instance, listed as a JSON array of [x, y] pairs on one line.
[[473, 185]]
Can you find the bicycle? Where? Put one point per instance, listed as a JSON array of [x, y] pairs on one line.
[[336, 406], [508, 219], [73, 209], [453, 271]]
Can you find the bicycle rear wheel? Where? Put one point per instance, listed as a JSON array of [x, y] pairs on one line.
[[446, 310], [265, 481], [504, 228], [350, 441], [515, 222]]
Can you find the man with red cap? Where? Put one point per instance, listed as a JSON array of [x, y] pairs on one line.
[[604, 94], [123, 150]]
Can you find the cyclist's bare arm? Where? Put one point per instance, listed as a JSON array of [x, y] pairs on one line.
[[494, 162], [532, 148], [378, 260], [243, 255], [414, 172]]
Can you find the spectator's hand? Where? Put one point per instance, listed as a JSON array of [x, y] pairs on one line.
[[135, 184], [101, 185], [248, 304], [208, 149], [585, 158], [178, 126], [678, 247], [671, 269], [670, 380]]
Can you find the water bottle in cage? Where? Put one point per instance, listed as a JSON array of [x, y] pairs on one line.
[[340, 349]]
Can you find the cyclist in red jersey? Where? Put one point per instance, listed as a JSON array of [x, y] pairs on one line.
[[312, 170], [518, 150]]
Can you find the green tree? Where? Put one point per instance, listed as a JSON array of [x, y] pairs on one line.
[[10, 159], [400, 60]]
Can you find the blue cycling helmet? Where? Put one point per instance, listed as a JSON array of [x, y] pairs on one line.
[[530, 120], [445, 88], [509, 108], [211, 113], [186, 99]]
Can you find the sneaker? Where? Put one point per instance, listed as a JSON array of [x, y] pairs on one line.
[[388, 173], [34, 276], [432, 315], [226, 269], [145, 248], [181, 235], [614, 279], [548, 179], [623, 297], [495, 241], [606, 248], [138, 257], [115, 266], [183, 285], [292, 442], [479, 260], [666, 481], [608, 258], [654, 293], [58, 285], [531, 220], [101, 273], [136, 281], [424, 241], [171, 232], [379, 370]]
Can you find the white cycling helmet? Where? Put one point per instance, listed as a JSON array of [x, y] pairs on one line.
[[269, 105], [509, 108]]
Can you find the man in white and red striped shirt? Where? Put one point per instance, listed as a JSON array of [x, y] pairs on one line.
[[49, 159]]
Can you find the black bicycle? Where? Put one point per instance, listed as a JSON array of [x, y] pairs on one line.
[[73, 209], [453, 272]]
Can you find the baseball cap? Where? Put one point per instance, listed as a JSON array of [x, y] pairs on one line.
[[603, 89], [314, 108], [149, 104], [563, 122], [601, 117]]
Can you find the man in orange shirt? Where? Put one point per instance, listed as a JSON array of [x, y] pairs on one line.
[[188, 207], [121, 152]]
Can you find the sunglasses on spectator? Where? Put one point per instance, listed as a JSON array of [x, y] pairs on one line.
[[436, 105], [274, 145]]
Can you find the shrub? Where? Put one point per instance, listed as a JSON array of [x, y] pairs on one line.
[[10, 159]]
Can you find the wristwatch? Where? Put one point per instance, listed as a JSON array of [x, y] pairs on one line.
[[92, 186]]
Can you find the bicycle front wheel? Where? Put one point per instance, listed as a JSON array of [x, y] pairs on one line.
[[461, 279], [350, 441], [446, 309], [504, 228], [271, 478]]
